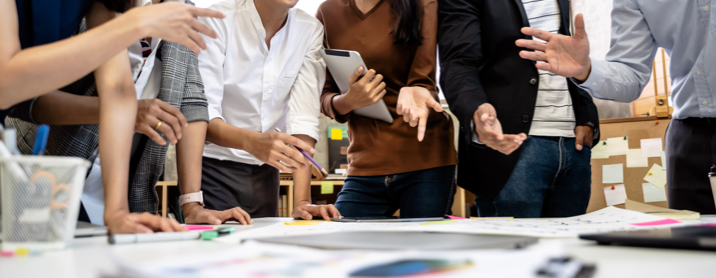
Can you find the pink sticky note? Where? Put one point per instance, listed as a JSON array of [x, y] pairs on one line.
[[454, 217], [198, 227], [657, 223]]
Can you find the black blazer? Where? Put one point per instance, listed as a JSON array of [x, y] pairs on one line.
[[480, 63]]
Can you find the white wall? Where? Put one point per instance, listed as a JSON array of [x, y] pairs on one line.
[[597, 22]]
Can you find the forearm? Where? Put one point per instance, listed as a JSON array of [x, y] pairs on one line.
[[37, 70], [616, 81], [189, 156], [61, 108], [341, 106], [226, 135], [302, 178], [118, 107]]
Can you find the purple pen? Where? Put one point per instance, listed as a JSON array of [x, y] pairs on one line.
[[320, 168]]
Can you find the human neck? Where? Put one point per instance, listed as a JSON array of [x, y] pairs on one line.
[[272, 18], [366, 5]]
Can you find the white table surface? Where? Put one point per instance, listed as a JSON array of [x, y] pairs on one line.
[[89, 256]]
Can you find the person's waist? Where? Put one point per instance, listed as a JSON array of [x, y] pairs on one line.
[[698, 121], [551, 138], [223, 153]]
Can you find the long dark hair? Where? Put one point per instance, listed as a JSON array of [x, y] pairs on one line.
[[408, 27]]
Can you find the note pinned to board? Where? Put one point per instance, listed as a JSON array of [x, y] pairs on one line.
[[601, 150], [613, 173], [336, 134], [326, 187], [635, 160], [663, 160], [656, 176], [652, 193], [651, 147], [618, 145], [615, 194]]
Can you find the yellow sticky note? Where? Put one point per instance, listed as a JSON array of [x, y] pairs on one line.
[[656, 176], [326, 187], [304, 222], [336, 134], [438, 222]]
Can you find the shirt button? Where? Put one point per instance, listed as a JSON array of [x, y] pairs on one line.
[[698, 72], [533, 81], [704, 102], [707, 8], [594, 84], [526, 119]]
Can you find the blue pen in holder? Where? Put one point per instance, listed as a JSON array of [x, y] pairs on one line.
[[41, 140]]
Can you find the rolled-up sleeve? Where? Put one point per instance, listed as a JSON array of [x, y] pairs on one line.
[[304, 106], [627, 69], [211, 66], [194, 105]]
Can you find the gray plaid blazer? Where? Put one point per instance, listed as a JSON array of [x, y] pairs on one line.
[[181, 86]]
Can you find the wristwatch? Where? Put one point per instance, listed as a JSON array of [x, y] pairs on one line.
[[196, 197]]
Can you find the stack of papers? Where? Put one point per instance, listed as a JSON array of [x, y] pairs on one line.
[[662, 212]]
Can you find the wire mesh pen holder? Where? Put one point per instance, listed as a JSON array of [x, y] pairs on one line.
[[40, 201]]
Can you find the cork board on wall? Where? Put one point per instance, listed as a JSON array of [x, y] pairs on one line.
[[635, 129]]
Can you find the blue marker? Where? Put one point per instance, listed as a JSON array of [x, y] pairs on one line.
[[41, 140]]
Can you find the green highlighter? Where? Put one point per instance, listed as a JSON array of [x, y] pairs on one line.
[[221, 231]]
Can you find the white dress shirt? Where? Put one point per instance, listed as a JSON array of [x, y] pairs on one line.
[[256, 88]]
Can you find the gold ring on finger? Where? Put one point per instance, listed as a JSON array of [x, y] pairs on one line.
[[158, 125]]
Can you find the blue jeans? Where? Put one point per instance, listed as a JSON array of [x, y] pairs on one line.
[[423, 193], [551, 179]]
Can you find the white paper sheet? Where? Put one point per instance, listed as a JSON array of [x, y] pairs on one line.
[[615, 194], [651, 147], [608, 219], [663, 160], [604, 220], [656, 176], [255, 259], [601, 150], [653, 193], [635, 160], [613, 173], [618, 145]]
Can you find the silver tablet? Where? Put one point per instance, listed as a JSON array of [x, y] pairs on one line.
[[342, 64]]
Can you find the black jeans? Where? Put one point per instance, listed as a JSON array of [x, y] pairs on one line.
[[690, 152], [228, 184]]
